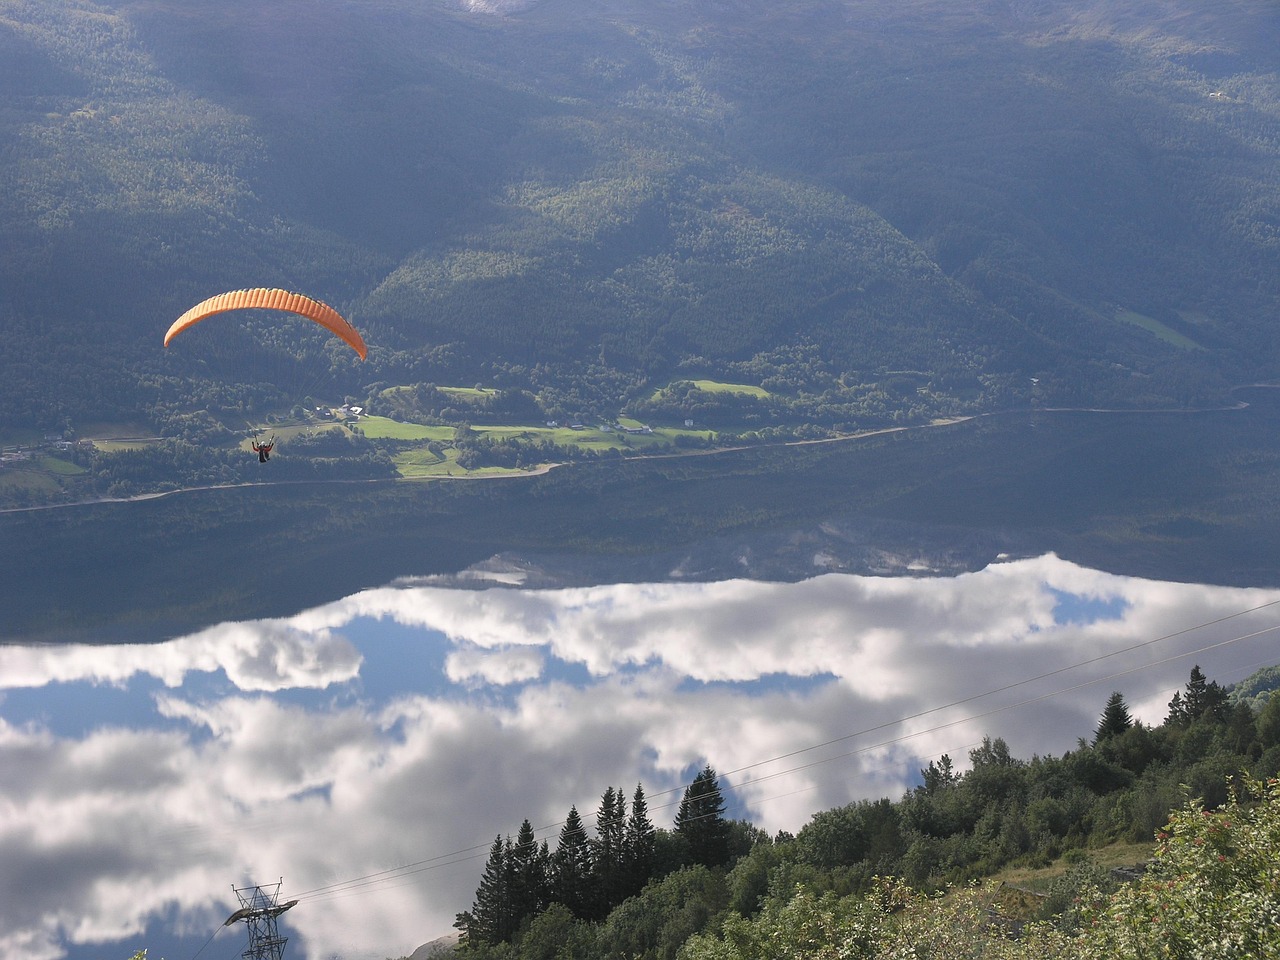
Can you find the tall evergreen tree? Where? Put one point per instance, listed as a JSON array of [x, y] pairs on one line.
[[1204, 697], [639, 844], [490, 918], [530, 890], [700, 820], [608, 851], [1198, 698], [571, 872], [1115, 719]]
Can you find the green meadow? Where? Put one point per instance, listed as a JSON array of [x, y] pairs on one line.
[[61, 467], [421, 461], [116, 446], [718, 386], [426, 451], [384, 428], [746, 389], [1155, 327]]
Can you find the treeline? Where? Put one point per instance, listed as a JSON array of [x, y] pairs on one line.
[[590, 877], [639, 892], [174, 464], [426, 403]]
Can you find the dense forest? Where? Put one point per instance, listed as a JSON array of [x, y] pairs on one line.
[[882, 212], [854, 877]]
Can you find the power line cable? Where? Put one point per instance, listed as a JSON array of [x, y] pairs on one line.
[[1010, 686], [469, 853], [434, 862]]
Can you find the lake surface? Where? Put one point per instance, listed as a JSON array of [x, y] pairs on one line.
[[368, 749], [355, 689], [1171, 496]]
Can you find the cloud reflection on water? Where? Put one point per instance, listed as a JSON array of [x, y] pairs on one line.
[[410, 722]]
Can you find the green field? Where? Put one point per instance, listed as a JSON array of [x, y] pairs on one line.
[[561, 436], [466, 393], [717, 386], [1154, 326], [420, 462], [384, 428], [419, 451], [63, 468], [115, 446], [595, 438]]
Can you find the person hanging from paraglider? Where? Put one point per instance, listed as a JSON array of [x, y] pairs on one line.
[[264, 298]]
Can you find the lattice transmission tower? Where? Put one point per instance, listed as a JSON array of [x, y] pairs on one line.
[[259, 908]]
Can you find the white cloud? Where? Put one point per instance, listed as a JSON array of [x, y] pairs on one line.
[[501, 667], [262, 655], [122, 825]]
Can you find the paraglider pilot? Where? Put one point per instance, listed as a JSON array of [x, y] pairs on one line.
[[263, 450]]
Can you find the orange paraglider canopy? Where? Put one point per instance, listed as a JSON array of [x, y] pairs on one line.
[[266, 299]]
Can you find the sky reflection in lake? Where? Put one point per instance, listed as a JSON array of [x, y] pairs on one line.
[[409, 725]]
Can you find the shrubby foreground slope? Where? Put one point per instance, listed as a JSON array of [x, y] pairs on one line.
[[892, 879]]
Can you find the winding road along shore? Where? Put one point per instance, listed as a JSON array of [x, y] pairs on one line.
[[547, 467]]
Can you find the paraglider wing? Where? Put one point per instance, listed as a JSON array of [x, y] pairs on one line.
[[265, 299]]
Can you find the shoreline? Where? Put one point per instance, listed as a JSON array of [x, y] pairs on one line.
[[546, 468]]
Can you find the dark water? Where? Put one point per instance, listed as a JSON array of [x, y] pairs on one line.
[[293, 729], [1188, 497]]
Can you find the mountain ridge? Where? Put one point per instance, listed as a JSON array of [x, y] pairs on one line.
[[982, 196]]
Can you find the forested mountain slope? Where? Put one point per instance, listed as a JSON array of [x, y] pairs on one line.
[[931, 202]]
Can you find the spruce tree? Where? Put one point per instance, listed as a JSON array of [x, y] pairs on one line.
[[528, 872], [639, 844], [1115, 719], [607, 851], [1204, 697], [571, 880], [1199, 698], [700, 820], [489, 919]]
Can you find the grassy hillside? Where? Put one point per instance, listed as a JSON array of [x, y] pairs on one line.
[[591, 200]]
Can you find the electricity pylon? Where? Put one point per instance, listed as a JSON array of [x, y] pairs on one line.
[[259, 907]]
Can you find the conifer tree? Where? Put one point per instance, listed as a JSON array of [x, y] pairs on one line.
[[1115, 719], [700, 820], [1204, 696], [489, 919], [530, 891], [639, 844], [607, 851], [571, 871], [1198, 698]]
